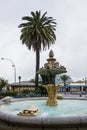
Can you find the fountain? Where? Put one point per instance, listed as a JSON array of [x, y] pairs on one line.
[[48, 74], [18, 121]]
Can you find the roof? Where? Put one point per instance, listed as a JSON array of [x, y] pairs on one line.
[[22, 84], [74, 86]]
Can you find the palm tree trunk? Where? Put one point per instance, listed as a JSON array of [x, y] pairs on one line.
[[37, 68], [65, 85]]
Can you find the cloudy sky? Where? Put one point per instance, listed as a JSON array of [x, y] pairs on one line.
[[70, 48]]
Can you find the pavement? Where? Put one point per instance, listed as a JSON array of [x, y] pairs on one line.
[[74, 96]]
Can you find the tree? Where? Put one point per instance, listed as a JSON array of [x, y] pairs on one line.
[[3, 83], [64, 78], [32, 81], [38, 33]]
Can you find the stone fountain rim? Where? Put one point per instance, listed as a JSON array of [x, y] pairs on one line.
[[44, 121], [44, 98], [22, 120]]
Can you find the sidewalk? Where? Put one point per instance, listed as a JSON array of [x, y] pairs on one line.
[[74, 96]]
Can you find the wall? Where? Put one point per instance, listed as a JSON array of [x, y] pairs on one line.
[[10, 122]]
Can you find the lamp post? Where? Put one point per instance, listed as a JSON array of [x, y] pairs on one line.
[[19, 77], [19, 82], [85, 85], [13, 65], [85, 81]]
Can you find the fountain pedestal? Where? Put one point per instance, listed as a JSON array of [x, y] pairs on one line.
[[48, 74], [51, 90]]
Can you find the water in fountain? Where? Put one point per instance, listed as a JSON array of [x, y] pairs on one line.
[[65, 108]]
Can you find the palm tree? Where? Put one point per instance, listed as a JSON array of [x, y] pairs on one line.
[[64, 78], [38, 33]]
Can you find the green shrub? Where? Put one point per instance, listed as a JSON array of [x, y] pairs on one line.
[[8, 93], [26, 91]]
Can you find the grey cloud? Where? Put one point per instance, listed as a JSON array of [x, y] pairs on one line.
[[70, 46]]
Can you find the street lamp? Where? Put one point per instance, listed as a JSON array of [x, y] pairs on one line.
[[19, 79], [85, 80], [13, 65], [19, 82]]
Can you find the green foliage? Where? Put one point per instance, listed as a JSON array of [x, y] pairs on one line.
[[23, 94], [25, 91], [8, 93], [32, 80], [8, 89], [38, 91], [38, 33], [3, 83], [64, 78], [31, 93]]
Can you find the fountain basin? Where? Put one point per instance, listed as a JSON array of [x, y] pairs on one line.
[[9, 121]]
